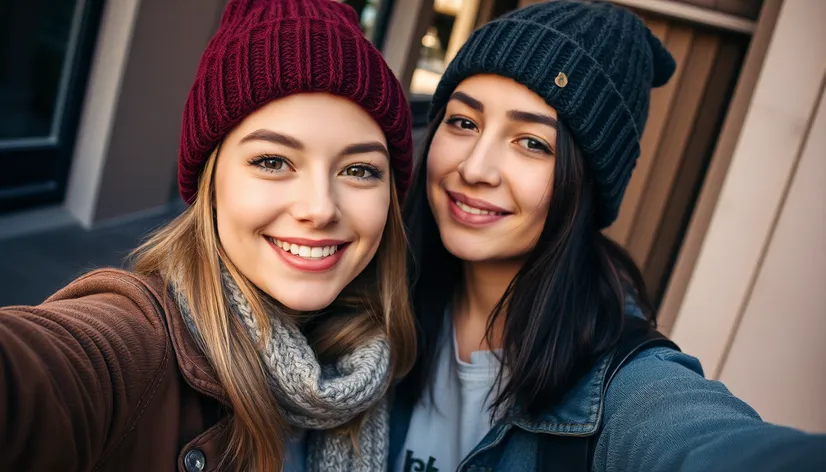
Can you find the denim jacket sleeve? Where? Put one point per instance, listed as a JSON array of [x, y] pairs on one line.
[[662, 414]]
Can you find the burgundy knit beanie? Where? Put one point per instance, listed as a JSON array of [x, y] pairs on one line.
[[269, 49]]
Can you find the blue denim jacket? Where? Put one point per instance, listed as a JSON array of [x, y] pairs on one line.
[[658, 414]]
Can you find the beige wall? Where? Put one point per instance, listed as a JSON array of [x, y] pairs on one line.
[[754, 311], [167, 44], [124, 163], [777, 360]]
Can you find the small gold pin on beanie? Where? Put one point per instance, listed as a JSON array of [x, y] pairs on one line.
[[561, 80]]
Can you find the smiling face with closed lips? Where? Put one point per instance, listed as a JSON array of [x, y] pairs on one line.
[[302, 194], [490, 169]]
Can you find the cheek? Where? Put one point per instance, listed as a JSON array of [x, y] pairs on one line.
[[533, 196], [365, 211], [444, 156], [443, 159], [534, 189], [243, 204]]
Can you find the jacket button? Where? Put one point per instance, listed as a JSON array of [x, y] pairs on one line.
[[194, 460]]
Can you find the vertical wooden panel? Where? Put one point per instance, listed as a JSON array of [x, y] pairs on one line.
[[756, 185], [748, 73], [744, 8], [698, 153], [691, 86]]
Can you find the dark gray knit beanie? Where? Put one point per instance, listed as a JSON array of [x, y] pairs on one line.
[[595, 63]]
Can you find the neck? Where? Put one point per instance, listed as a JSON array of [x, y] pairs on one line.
[[483, 285]]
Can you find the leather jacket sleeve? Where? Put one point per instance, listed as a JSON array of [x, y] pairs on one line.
[[77, 371]]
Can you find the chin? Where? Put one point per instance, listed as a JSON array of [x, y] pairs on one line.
[[480, 250], [306, 306], [470, 251], [300, 295], [304, 299]]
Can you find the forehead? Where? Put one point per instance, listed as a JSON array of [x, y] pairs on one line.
[[315, 118], [500, 94]]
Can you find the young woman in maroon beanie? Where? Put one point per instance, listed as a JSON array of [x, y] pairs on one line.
[[261, 328]]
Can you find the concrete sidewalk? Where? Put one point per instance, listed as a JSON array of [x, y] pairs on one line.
[[34, 266]]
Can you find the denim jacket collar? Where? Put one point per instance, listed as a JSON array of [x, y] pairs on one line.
[[579, 413]]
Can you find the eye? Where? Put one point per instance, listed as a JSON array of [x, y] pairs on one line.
[[534, 145], [461, 123], [274, 164], [363, 172]]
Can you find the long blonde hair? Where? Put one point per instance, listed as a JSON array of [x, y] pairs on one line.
[[188, 251]]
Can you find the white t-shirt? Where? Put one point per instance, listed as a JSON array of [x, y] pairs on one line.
[[444, 431]]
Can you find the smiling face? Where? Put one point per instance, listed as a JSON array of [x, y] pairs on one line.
[[490, 169], [302, 195]]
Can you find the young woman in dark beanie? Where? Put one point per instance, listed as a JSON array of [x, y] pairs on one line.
[[261, 328], [536, 346]]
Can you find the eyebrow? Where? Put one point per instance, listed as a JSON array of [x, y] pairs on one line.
[[516, 115], [364, 148], [291, 142], [273, 137], [528, 117], [468, 100]]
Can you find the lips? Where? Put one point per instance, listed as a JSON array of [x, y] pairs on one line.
[[474, 212], [476, 206], [308, 255], [306, 251]]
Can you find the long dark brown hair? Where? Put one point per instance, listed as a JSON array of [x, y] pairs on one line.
[[561, 312]]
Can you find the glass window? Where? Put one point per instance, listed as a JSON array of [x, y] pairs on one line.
[[46, 48], [369, 12], [36, 44], [453, 21]]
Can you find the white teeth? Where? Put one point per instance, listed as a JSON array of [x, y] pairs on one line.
[[474, 210], [307, 252]]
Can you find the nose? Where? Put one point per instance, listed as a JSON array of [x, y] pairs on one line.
[[317, 205], [481, 166]]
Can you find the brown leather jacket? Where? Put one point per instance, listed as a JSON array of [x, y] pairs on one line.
[[104, 376]]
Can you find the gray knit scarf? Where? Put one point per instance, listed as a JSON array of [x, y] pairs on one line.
[[320, 397]]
